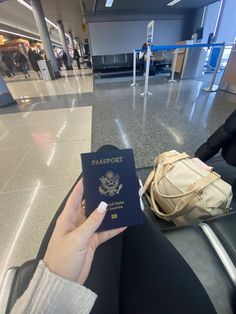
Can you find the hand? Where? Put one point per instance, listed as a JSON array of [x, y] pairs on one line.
[[74, 240]]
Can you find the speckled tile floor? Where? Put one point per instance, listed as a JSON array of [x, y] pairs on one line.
[[42, 137], [39, 162], [74, 81], [177, 116]]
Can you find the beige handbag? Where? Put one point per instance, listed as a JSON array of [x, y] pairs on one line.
[[184, 190]]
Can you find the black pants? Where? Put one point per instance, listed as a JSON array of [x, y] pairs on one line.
[[78, 64], [142, 65], [140, 272]]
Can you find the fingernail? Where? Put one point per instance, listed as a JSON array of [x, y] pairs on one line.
[[102, 208]]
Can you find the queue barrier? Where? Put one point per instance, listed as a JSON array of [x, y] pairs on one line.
[[176, 48]]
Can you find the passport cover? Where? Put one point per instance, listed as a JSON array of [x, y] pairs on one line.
[[110, 176]]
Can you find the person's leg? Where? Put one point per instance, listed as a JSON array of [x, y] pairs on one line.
[[141, 67], [155, 278], [23, 69], [104, 277], [27, 69], [59, 64], [11, 69]]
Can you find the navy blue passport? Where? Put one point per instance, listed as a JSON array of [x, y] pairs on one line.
[[110, 176]]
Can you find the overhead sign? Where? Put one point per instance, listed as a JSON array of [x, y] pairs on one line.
[[150, 31]]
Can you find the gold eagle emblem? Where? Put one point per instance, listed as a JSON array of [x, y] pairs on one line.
[[110, 184]]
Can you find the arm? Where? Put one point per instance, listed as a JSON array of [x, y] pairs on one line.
[[49, 293], [218, 139], [57, 285]]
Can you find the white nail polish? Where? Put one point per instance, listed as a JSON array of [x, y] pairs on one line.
[[102, 207]]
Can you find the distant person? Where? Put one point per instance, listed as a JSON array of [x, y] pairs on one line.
[[142, 58], [34, 57], [22, 62], [43, 54], [211, 39], [9, 63], [58, 58], [65, 59], [3, 68], [76, 57], [224, 139]]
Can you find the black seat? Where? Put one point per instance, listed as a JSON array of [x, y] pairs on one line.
[[225, 228], [109, 61], [129, 58], [23, 275], [98, 62], [120, 61], [201, 257]]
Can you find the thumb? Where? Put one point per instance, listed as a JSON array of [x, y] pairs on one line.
[[87, 229]]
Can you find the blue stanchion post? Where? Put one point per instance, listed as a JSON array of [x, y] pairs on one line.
[[213, 87], [176, 47]]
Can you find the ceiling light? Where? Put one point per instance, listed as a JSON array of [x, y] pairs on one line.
[[173, 2], [109, 3], [51, 23], [46, 19], [26, 36], [25, 4]]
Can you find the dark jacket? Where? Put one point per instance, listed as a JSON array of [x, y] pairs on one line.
[[7, 60], [76, 55], [224, 138], [64, 57], [34, 57], [20, 58]]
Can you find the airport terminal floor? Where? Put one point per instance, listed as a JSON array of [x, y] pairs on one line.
[[42, 137]]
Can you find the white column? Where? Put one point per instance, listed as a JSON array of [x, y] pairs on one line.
[[6, 98], [72, 40], [44, 35], [64, 43]]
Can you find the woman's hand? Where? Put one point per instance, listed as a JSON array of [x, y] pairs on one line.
[[74, 240]]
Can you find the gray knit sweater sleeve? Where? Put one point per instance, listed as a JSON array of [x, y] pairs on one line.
[[49, 293]]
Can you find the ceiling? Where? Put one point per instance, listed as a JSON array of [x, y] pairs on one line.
[[143, 7], [14, 17], [69, 11]]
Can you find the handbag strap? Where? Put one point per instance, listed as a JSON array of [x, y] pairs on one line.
[[169, 157], [161, 172], [161, 163], [180, 208]]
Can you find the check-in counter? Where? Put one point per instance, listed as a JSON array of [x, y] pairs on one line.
[[228, 81], [190, 61], [181, 56]]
